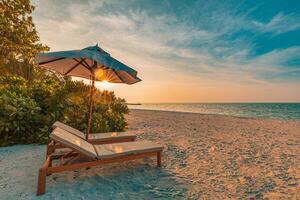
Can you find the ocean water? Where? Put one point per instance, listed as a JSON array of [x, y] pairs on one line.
[[257, 110]]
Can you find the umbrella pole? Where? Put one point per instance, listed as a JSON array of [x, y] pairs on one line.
[[92, 90]]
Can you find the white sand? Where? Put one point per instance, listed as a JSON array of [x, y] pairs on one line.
[[206, 156], [226, 157]]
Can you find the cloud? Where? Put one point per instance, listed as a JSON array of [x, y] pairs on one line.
[[207, 44], [279, 24]]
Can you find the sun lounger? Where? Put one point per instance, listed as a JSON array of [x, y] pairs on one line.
[[92, 154], [98, 138]]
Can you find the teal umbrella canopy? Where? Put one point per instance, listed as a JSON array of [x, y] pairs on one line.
[[88, 62]]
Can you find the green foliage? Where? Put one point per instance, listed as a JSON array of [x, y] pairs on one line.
[[28, 109], [19, 41]]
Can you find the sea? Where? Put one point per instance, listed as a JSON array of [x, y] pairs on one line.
[[288, 111]]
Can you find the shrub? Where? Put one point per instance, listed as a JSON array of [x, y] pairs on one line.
[[28, 109]]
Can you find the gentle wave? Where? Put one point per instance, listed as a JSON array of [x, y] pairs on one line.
[[257, 110]]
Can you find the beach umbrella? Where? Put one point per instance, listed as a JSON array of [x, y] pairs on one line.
[[91, 63]]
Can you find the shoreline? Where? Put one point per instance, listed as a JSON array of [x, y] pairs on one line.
[[216, 114]]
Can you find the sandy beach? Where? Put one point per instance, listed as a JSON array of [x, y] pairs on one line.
[[205, 157], [222, 157]]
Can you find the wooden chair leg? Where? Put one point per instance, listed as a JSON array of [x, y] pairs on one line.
[[50, 165], [47, 150], [50, 148], [159, 159], [41, 188]]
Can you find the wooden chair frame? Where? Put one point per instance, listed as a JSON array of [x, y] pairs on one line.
[[66, 165]]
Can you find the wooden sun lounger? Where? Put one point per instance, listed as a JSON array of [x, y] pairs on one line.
[[98, 138], [93, 154]]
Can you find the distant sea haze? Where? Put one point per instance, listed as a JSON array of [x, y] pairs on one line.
[[256, 110]]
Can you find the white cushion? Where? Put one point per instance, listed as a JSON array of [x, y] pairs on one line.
[[111, 135], [126, 148], [73, 141], [68, 128]]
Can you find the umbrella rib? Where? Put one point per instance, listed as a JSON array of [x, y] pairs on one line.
[[85, 64], [76, 65], [49, 61], [118, 75]]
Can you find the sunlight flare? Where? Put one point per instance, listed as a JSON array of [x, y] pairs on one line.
[[104, 85]]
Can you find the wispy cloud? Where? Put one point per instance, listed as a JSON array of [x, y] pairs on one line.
[[280, 23], [211, 41]]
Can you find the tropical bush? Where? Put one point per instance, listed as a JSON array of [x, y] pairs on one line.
[[21, 118], [28, 109]]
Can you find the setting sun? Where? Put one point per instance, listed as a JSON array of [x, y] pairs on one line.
[[104, 85]]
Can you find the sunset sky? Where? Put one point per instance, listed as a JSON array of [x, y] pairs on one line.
[[186, 51]]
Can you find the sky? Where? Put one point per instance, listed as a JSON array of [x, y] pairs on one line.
[[186, 51]]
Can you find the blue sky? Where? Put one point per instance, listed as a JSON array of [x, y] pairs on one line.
[[186, 50]]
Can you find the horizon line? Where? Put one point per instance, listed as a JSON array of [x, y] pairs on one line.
[[287, 102]]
